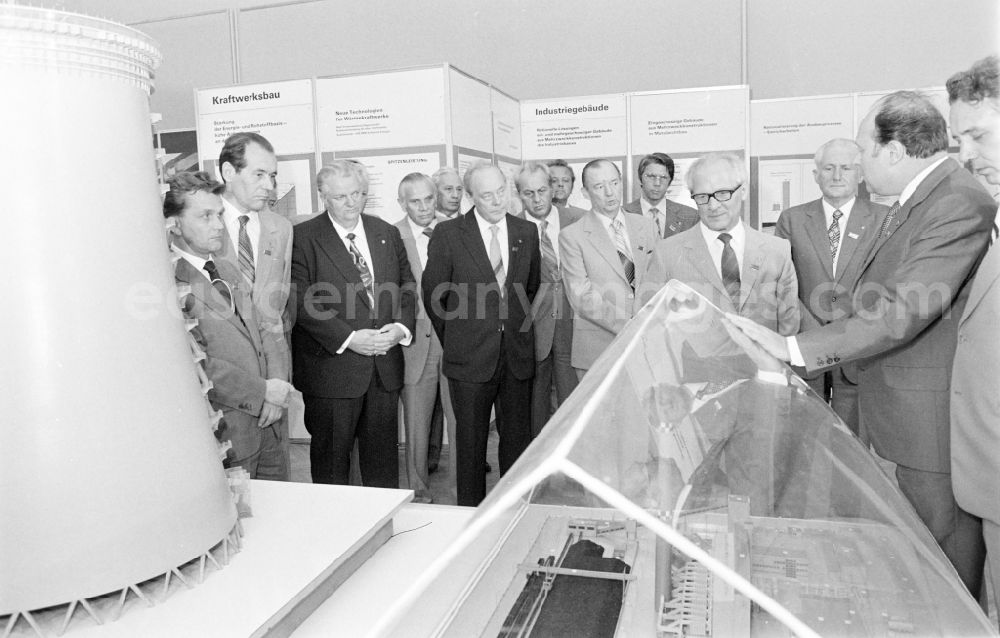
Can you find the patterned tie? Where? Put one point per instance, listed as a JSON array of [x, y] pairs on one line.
[[655, 212], [834, 233], [624, 254], [496, 257], [246, 251], [428, 231], [362, 266], [730, 269], [217, 282], [549, 259], [887, 221]]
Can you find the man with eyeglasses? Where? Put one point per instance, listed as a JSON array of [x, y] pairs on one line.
[[739, 269], [603, 258], [355, 308], [830, 239], [248, 372], [656, 173], [480, 279]]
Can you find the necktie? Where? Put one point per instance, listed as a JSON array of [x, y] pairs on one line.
[[246, 251], [624, 254], [887, 221], [655, 212], [834, 233], [362, 266], [428, 231], [218, 283], [730, 269], [496, 257], [549, 259]]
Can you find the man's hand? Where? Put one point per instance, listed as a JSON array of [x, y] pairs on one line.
[[390, 335], [768, 339], [367, 342], [269, 414], [276, 391]]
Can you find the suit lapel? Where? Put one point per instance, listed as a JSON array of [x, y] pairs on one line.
[[601, 241], [699, 256], [515, 248], [206, 293], [753, 260], [986, 277], [410, 244], [859, 223], [265, 248], [638, 243], [473, 242], [330, 243], [378, 248], [817, 231]]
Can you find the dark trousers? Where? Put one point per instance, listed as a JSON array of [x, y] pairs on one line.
[[334, 424], [552, 372], [472, 403]]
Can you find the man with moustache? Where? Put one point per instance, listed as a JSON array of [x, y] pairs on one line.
[[975, 412], [604, 257], [551, 313], [355, 309], [656, 173], [830, 237], [911, 293], [481, 277], [449, 190], [248, 372], [563, 181], [424, 384]]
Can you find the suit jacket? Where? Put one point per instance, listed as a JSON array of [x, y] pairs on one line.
[[331, 303], [239, 359], [768, 288], [826, 295], [551, 307], [415, 355], [272, 272], [975, 384], [469, 316], [910, 295], [566, 208], [598, 291], [678, 216]]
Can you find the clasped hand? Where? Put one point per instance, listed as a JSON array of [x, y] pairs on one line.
[[370, 342]]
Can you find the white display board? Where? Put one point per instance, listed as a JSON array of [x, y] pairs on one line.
[[686, 124], [784, 136], [506, 113], [469, 114]]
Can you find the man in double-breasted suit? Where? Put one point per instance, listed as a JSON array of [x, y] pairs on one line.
[[830, 237], [910, 295], [737, 268], [424, 384], [355, 309], [656, 173], [551, 312], [975, 376], [481, 276], [604, 257], [248, 372]]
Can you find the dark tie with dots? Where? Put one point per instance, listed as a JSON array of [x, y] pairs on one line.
[[834, 233], [217, 282], [883, 230], [362, 266], [730, 269]]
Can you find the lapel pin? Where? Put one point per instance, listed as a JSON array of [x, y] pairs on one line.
[[267, 252], [755, 267]]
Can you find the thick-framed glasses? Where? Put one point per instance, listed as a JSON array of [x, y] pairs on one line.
[[720, 196]]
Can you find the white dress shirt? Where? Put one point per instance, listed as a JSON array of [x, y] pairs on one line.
[[552, 230], [420, 239], [231, 218], [715, 245], [194, 260], [487, 235], [828, 210], [661, 212], [606, 222]]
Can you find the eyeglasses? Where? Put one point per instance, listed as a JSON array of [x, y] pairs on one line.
[[720, 196]]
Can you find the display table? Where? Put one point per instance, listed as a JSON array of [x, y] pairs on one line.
[[356, 606], [302, 543]]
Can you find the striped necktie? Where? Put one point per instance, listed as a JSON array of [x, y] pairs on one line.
[[496, 257], [246, 251], [549, 259], [624, 254], [730, 269], [655, 212], [883, 230], [362, 266]]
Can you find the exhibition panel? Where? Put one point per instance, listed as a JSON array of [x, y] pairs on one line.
[[692, 486]]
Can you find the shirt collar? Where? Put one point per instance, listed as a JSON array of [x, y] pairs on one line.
[[915, 182], [484, 226], [358, 230], [229, 211], [737, 232], [606, 221], [194, 260], [417, 229], [646, 206], [846, 209], [552, 218]]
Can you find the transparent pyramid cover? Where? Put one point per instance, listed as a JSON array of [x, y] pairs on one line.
[[692, 485]]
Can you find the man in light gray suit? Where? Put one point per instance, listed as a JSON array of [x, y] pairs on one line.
[[423, 382], [739, 269], [550, 311], [604, 257], [830, 237]]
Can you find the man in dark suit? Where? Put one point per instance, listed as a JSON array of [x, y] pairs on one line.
[[481, 276], [355, 308], [248, 371], [656, 173], [911, 292], [425, 388], [975, 411], [551, 312], [562, 181], [830, 237]]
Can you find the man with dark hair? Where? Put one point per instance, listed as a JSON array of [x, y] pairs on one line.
[[247, 371], [562, 180], [911, 292], [355, 308], [656, 173], [830, 237], [481, 276], [975, 411]]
